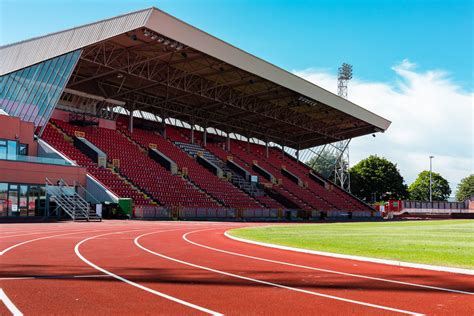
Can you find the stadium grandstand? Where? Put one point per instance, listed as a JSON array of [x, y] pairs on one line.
[[145, 115]]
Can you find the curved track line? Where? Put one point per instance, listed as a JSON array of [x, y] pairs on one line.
[[136, 241], [9, 304], [46, 237], [163, 295], [185, 237], [358, 258]]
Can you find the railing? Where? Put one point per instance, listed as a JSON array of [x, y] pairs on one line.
[[442, 205], [159, 212], [144, 212], [67, 198], [34, 159]]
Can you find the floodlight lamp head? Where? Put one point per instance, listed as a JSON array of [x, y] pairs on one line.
[[345, 72]]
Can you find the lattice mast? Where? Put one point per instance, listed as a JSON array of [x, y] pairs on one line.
[[341, 168]]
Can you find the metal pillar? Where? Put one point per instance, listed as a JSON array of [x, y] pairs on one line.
[[192, 133], [248, 144], [204, 137], [163, 121], [298, 155], [431, 178], [266, 149], [341, 168], [130, 124], [282, 151], [228, 141]]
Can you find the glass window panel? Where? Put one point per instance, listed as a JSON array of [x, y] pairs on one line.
[[20, 93], [14, 90], [52, 87], [33, 92], [43, 89], [3, 152], [3, 199], [13, 202], [33, 193], [23, 149], [23, 200], [11, 150], [26, 89]]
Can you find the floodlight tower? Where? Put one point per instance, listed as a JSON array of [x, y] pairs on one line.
[[341, 169]]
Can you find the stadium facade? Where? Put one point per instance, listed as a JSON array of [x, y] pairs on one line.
[[132, 106]]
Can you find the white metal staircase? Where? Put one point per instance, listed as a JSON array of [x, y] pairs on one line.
[[70, 201]]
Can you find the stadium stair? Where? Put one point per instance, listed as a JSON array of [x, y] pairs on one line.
[[274, 193], [236, 179], [62, 141], [134, 165], [219, 189]]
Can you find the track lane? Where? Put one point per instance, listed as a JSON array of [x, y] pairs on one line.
[[394, 295], [52, 293], [188, 238], [216, 292], [273, 284], [439, 279], [61, 293]]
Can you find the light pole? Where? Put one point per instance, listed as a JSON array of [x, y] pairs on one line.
[[431, 179]]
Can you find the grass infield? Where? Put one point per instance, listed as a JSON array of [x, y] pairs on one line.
[[440, 242]]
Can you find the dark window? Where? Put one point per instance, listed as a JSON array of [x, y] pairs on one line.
[[23, 149]]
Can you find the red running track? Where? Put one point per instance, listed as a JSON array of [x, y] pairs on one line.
[[187, 268]]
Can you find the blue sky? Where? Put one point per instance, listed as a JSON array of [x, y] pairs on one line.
[[413, 60], [373, 35]]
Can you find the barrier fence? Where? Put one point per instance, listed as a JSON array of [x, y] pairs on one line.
[[159, 212], [441, 205]]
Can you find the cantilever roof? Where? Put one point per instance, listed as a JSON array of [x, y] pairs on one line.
[[23, 54]]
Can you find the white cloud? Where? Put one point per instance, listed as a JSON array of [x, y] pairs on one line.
[[430, 114]]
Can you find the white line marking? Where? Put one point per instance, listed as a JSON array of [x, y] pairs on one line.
[[55, 277], [163, 295], [35, 233], [185, 237], [46, 237], [270, 283], [9, 304], [358, 258]]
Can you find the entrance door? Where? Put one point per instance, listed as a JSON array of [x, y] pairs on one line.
[[13, 208]]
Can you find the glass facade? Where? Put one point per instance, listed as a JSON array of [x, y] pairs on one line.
[[22, 200], [32, 93]]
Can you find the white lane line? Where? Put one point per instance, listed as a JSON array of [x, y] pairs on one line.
[[270, 283], [55, 277], [185, 237], [4, 251], [149, 290], [9, 304], [358, 258], [35, 233]]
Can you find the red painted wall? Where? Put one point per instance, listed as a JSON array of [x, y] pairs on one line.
[[35, 173], [15, 129]]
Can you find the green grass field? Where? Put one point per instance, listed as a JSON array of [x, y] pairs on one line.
[[440, 242]]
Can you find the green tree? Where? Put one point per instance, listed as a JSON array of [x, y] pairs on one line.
[[375, 178], [465, 188], [420, 189], [324, 164]]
